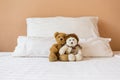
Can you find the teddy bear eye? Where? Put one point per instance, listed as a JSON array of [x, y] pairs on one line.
[[73, 39], [70, 40], [58, 36]]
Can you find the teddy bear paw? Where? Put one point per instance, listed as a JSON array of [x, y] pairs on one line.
[[71, 57], [78, 57]]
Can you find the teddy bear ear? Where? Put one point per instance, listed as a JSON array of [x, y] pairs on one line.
[[56, 33], [67, 34], [76, 37]]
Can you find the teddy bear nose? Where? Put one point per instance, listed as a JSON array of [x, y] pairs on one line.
[[71, 42], [61, 39]]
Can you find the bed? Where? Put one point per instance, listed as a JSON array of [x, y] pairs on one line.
[[16, 68], [29, 61]]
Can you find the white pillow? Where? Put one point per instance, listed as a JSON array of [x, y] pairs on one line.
[[96, 47], [33, 46], [39, 46], [84, 27], [20, 49]]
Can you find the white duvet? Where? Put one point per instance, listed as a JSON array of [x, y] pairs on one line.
[[14, 68]]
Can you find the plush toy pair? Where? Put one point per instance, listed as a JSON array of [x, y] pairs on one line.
[[66, 48]]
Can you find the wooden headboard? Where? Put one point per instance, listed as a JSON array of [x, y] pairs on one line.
[[14, 12]]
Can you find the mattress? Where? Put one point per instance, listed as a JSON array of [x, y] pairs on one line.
[[16, 68]]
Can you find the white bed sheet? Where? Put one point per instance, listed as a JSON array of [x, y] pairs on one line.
[[14, 68]]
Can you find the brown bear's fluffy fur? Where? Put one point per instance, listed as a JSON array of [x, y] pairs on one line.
[[54, 50]]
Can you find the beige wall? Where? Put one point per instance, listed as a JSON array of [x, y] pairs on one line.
[[14, 12]]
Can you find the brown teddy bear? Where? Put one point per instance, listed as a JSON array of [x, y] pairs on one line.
[[54, 50]]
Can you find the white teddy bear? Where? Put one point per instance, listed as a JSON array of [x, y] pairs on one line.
[[72, 48]]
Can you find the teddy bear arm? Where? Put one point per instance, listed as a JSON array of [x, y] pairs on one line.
[[54, 48], [69, 50], [79, 52], [63, 50]]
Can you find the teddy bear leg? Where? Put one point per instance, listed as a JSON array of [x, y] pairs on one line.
[[63, 57], [71, 57], [52, 57], [78, 57]]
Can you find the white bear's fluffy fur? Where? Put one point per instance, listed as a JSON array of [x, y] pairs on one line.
[[73, 54]]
